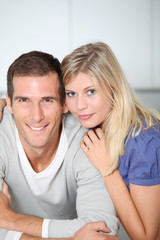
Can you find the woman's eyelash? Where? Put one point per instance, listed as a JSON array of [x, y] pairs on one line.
[[91, 91], [70, 94]]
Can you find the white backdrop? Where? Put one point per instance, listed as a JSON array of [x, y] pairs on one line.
[[131, 28]]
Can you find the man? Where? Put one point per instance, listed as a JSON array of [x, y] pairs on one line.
[[49, 177]]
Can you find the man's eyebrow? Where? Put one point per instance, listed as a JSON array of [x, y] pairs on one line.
[[45, 97], [50, 97], [20, 97]]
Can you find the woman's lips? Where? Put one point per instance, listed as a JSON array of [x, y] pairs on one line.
[[85, 117]]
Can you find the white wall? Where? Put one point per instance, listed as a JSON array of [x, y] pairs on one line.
[[27, 25], [126, 26], [131, 28]]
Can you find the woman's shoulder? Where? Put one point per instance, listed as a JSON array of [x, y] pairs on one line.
[[143, 138], [140, 163]]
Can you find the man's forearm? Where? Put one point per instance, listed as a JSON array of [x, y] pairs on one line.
[[28, 237], [17, 222], [25, 223], [89, 231]]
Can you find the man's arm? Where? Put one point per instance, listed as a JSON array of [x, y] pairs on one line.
[[17, 222], [89, 231], [33, 225], [93, 202], [29, 224], [94, 231]]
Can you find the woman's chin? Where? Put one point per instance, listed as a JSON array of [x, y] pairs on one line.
[[88, 125]]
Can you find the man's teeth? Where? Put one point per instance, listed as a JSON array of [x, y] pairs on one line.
[[37, 129]]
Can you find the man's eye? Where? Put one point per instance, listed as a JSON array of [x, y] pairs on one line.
[[47, 100], [23, 100], [91, 92], [71, 94]]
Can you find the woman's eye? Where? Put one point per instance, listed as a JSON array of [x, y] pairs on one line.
[[91, 92], [71, 94]]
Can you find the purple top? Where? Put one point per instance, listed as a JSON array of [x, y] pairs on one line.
[[140, 164]]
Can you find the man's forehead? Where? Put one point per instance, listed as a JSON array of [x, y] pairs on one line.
[[50, 74], [36, 79], [36, 85]]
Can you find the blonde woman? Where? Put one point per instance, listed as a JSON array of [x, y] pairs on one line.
[[123, 142]]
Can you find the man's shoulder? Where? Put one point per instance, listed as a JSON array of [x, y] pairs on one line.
[[70, 121], [72, 127], [74, 132]]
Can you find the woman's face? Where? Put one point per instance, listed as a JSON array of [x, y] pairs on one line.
[[85, 103]]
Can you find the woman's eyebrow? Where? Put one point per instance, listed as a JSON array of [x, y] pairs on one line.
[[83, 89]]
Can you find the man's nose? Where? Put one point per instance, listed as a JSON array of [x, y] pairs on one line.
[[37, 113]]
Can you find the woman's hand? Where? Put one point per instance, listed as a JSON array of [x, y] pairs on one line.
[[2, 105], [93, 145], [94, 231]]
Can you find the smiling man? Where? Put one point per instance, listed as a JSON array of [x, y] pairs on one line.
[[54, 188], [37, 111]]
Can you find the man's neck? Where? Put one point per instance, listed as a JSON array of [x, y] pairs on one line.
[[41, 157], [40, 160]]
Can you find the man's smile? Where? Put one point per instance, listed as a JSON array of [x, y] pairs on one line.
[[37, 128]]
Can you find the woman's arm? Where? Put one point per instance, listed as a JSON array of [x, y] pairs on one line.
[[139, 209], [147, 202], [2, 105]]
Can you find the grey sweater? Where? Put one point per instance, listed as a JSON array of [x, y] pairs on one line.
[[77, 193]]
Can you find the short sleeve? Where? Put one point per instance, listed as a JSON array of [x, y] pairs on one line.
[[140, 164]]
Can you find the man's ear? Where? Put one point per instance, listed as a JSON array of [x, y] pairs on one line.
[[9, 104], [65, 108]]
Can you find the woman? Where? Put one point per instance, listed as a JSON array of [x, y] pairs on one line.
[[123, 142]]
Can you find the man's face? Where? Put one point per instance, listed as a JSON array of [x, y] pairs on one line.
[[37, 110]]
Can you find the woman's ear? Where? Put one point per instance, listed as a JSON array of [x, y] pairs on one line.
[[9, 104]]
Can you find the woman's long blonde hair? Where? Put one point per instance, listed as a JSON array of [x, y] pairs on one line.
[[128, 114]]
